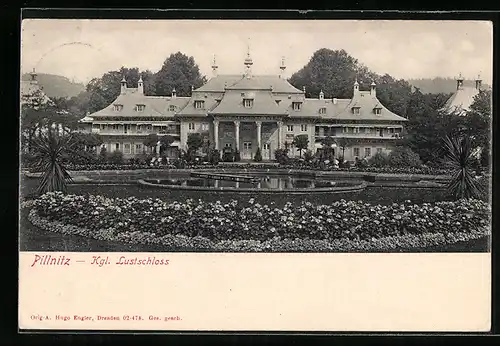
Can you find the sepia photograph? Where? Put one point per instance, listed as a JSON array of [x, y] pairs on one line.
[[255, 136]]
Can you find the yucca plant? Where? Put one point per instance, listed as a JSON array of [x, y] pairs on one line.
[[458, 156], [50, 151]]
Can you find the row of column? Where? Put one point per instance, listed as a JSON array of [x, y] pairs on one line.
[[237, 133]]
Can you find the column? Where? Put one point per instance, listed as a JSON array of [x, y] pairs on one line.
[[259, 126], [216, 134], [237, 134], [280, 134]]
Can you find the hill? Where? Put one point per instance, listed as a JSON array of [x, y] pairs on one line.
[[57, 86], [439, 85]]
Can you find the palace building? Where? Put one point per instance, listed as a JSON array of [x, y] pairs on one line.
[[245, 112]]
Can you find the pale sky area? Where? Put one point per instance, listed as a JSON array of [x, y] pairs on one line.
[[83, 49]]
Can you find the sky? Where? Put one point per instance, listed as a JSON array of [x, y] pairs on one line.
[[84, 49]]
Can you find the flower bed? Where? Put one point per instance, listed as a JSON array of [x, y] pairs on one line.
[[298, 166], [341, 226]]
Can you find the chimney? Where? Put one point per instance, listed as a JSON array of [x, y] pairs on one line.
[[124, 85], [214, 68], [460, 81], [321, 95], [478, 82], [373, 89], [33, 77], [174, 93], [140, 86], [282, 67], [304, 90], [356, 87]]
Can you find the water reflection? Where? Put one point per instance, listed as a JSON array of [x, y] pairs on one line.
[[266, 182]]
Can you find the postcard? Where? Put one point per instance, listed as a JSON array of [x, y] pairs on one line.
[[255, 175]]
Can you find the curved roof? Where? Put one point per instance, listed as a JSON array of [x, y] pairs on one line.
[[263, 104], [241, 82], [366, 103], [461, 100], [154, 105]]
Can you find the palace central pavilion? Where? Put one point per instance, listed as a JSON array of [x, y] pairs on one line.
[[245, 112]]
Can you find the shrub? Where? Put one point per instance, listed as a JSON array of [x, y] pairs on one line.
[[228, 156], [116, 157], [103, 155], [281, 156], [404, 157], [237, 156], [308, 156], [258, 155], [215, 157], [379, 160]]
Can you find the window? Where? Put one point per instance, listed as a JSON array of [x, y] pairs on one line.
[[322, 110], [126, 128], [289, 128], [379, 150], [356, 129], [361, 130], [355, 110], [356, 152], [278, 102], [139, 128], [296, 105], [199, 104], [266, 146], [303, 128], [117, 146], [391, 130], [377, 110], [117, 108], [344, 130], [204, 127], [114, 126], [171, 108], [138, 148], [191, 126], [247, 145], [368, 130], [247, 103], [368, 152], [228, 145], [140, 108], [126, 148]]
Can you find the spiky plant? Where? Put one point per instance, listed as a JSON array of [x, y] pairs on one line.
[[51, 149], [459, 158]]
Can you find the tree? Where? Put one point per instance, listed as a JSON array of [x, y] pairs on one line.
[[151, 141], [343, 143], [459, 158], [180, 72], [478, 124], [194, 142], [258, 155], [379, 160], [165, 142], [327, 144], [51, 150], [334, 73], [300, 142]]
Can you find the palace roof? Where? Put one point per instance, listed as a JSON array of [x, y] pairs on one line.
[[367, 103], [241, 82], [263, 103], [154, 106], [461, 100]]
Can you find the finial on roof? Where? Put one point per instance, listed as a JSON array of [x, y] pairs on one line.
[[174, 93], [248, 62], [478, 81], [373, 89], [140, 86], [321, 95], [460, 81], [140, 79], [282, 66], [373, 83], [214, 67], [123, 85], [304, 89]]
